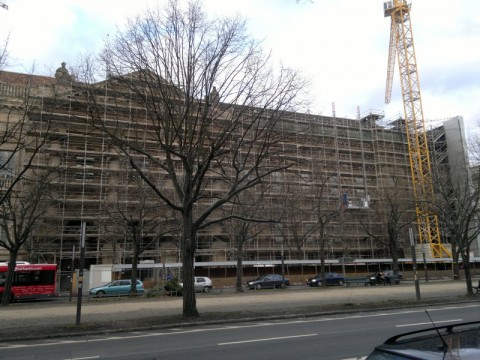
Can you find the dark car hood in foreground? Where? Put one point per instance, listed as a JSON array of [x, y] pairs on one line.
[[458, 341]]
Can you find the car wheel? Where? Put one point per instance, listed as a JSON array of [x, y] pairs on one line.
[[101, 293], [340, 283], [283, 286], [206, 289], [258, 287]]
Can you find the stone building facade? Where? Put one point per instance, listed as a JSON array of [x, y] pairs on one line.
[[349, 167]]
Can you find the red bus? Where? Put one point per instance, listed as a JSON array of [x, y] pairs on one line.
[[30, 281]]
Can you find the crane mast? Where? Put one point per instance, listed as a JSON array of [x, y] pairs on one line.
[[402, 45]]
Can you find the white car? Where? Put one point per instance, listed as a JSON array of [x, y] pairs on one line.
[[202, 284]]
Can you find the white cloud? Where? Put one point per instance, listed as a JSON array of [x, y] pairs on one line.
[[341, 45]]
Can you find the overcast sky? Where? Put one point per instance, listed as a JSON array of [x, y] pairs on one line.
[[340, 45]]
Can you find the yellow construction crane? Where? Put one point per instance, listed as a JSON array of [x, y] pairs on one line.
[[402, 47]]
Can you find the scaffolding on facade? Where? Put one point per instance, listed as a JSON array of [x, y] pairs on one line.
[[364, 157]]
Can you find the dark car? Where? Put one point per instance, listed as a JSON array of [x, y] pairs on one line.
[[382, 278], [391, 273], [268, 281], [457, 341], [331, 278]]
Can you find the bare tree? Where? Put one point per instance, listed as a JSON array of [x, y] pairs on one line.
[[20, 214], [24, 131], [4, 54], [325, 214], [307, 212], [474, 147], [246, 219], [293, 229], [457, 206], [139, 219], [244, 232], [211, 104], [395, 213]]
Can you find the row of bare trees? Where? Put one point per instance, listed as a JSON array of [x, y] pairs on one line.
[[214, 100]]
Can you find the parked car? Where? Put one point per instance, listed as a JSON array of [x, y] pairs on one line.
[[456, 341], [381, 278], [331, 278], [202, 284], [268, 281], [117, 287], [391, 274]]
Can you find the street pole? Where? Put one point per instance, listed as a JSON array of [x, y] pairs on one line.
[[414, 259], [80, 272]]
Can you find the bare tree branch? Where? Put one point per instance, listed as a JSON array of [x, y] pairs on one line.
[[395, 214], [457, 206], [200, 101], [4, 54]]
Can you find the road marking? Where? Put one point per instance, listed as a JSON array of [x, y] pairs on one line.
[[429, 323], [357, 358], [266, 339], [84, 358]]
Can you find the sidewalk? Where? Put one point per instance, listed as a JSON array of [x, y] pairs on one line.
[[58, 317]]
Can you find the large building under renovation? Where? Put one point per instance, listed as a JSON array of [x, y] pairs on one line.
[[348, 171]]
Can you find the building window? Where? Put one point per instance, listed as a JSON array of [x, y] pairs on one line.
[[85, 161], [86, 176], [7, 167]]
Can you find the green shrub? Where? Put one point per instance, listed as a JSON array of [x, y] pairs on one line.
[[173, 286]]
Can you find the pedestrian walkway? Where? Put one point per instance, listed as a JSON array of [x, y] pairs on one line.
[[59, 316]]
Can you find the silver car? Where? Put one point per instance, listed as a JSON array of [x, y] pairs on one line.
[[202, 284]]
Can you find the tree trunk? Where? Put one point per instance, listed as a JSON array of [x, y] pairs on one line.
[[6, 296], [238, 284], [133, 277], [188, 259], [467, 272], [455, 265], [322, 254], [394, 254]]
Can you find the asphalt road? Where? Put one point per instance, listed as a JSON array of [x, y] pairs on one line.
[[335, 337], [57, 318]]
